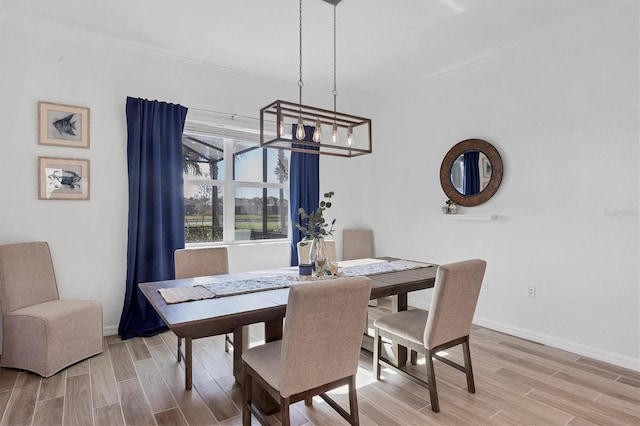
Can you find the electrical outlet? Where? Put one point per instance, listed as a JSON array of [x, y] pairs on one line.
[[531, 292], [485, 287]]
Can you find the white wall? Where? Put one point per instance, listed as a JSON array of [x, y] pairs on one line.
[[563, 112], [88, 239]]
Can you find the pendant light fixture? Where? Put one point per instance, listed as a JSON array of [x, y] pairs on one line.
[[273, 119]]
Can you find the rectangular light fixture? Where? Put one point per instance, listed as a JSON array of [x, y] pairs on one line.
[[342, 135]]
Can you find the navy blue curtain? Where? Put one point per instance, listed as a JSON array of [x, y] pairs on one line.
[[156, 207], [471, 172], [304, 187]]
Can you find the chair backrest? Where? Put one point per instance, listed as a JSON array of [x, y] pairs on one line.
[[357, 244], [303, 251], [26, 276], [454, 301], [322, 333], [200, 262]]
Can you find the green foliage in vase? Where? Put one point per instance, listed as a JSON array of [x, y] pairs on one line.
[[317, 226]]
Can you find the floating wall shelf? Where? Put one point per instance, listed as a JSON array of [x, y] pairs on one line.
[[461, 216]]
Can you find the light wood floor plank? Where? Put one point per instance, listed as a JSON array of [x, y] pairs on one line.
[[4, 400], [172, 417], [109, 415], [78, 369], [518, 382], [138, 349], [154, 386], [8, 378], [103, 382], [77, 404], [153, 340], [192, 406], [216, 399], [135, 409], [49, 412], [121, 360], [53, 387], [22, 404]]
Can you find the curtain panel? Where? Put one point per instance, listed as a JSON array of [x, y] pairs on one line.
[[156, 206], [304, 187]]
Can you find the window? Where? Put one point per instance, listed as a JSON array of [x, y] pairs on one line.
[[233, 189]]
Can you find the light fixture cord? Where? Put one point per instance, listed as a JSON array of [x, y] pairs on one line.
[[335, 90], [300, 83]]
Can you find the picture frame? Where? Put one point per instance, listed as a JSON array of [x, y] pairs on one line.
[[63, 178], [63, 125], [486, 167]]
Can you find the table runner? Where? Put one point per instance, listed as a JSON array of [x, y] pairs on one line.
[[229, 288]]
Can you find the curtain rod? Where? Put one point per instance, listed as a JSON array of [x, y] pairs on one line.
[[229, 114]]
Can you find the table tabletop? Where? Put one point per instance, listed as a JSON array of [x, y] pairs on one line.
[[209, 317]]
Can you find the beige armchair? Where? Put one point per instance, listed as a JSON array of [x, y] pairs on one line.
[[40, 332], [446, 324], [200, 262], [318, 352]]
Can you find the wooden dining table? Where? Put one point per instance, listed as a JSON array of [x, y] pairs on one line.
[[215, 316]]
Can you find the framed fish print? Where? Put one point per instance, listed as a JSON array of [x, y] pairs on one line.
[[63, 125], [63, 179]]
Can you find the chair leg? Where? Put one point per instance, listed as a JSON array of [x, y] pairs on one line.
[[471, 387], [353, 402], [246, 410], [431, 379], [377, 347], [308, 402], [226, 343], [179, 349], [414, 357], [285, 420]]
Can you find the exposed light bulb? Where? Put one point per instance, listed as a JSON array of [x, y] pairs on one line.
[[350, 136], [317, 133], [334, 134], [282, 127], [300, 135]]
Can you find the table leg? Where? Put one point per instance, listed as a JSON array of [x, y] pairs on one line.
[[240, 344], [400, 303], [188, 362]]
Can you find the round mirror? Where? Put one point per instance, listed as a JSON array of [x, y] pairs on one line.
[[471, 172]]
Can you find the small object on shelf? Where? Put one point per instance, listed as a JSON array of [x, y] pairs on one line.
[[451, 207]]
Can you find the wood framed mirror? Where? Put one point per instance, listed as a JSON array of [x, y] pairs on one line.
[[471, 172]]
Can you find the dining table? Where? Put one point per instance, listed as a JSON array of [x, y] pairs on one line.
[[233, 310]]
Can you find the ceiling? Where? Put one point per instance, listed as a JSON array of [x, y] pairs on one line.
[[381, 44]]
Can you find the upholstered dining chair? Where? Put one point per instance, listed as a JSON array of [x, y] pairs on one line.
[[303, 251], [318, 352], [40, 332], [200, 262], [357, 244], [446, 324]]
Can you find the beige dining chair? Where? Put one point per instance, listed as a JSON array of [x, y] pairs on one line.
[[303, 251], [200, 262], [446, 324], [41, 332], [357, 244], [318, 352]]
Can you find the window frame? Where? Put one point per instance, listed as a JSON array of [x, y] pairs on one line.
[[229, 185]]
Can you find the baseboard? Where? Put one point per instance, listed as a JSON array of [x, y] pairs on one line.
[[554, 342], [566, 345], [110, 330]]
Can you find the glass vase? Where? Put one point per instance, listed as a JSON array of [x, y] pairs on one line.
[[318, 255]]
